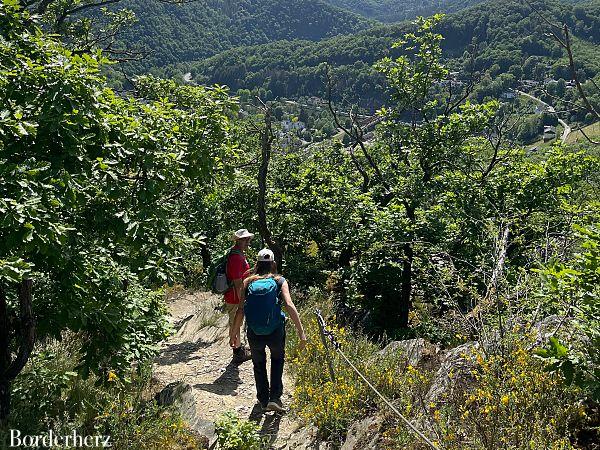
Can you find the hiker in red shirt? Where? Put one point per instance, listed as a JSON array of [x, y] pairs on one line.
[[237, 266]]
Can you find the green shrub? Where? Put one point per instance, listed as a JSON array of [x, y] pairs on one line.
[[237, 434], [575, 288], [512, 403], [333, 406]]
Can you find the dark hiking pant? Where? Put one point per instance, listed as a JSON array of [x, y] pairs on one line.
[[276, 343]]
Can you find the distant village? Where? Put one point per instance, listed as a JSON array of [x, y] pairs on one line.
[[293, 131]]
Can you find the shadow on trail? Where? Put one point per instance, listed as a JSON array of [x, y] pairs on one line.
[[227, 382], [256, 414], [270, 428], [176, 353]]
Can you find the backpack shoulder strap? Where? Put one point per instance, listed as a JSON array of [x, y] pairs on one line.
[[230, 252], [279, 282]]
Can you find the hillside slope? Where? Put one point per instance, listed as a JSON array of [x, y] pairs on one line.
[[398, 10], [507, 35], [192, 31]]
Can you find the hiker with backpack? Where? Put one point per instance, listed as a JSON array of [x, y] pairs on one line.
[[225, 277], [262, 296]]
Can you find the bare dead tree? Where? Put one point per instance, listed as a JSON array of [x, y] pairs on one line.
[[562, 35], [491, 301], [266, 143]]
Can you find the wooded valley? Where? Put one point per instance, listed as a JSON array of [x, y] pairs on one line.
[[430, 184]]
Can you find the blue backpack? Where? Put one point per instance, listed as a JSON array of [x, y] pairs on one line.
[[262, 306]]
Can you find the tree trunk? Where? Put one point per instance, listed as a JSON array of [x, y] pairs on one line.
[[4, 402], [10, 368], [265, 232], [205, 254], [26, 330], [345, 257], [4, 359], [405, 304]]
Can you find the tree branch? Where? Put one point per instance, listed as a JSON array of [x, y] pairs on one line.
[[355, 133], [85, 6], [582, 94], [564, 40]]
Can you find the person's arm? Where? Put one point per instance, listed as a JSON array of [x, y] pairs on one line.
[[235, 272], [234, 331], [293, 312], [238, 286]]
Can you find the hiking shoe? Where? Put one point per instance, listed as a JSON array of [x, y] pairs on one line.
[[241, 355], [275, 405], [258, 410]]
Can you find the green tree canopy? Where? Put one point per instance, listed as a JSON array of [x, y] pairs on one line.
[[86, 179]]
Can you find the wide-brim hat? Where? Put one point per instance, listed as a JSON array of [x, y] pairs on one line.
[[242, 234]]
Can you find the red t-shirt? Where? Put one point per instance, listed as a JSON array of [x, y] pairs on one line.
[[237, 266]]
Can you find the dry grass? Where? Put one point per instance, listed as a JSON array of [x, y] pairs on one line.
[[577, 137]]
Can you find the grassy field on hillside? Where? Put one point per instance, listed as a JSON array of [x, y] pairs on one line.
[[592, 131]]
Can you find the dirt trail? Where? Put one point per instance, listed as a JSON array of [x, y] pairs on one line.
[[199, 354]]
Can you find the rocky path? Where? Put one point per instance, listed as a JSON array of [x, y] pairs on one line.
[[199, 356]]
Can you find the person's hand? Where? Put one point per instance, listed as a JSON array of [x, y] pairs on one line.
[[233, 340], [302, 343]]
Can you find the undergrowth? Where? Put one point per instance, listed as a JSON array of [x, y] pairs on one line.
[[504, 400], [333, 405], [50, 395]]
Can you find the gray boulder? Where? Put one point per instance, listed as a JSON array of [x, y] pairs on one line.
[[180, 396], [364, 434], [454, 373], [418, 352], [305, 438]]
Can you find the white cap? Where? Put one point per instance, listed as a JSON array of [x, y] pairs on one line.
[[265, 255], [242, 234]]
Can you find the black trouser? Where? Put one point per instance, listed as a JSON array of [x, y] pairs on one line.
[[276, 343]]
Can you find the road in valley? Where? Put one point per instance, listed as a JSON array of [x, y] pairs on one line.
[[551, 110]]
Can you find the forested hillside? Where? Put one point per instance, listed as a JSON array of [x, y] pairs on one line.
[[506, 34], [398, 10], [195, 30], [446, 274]]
